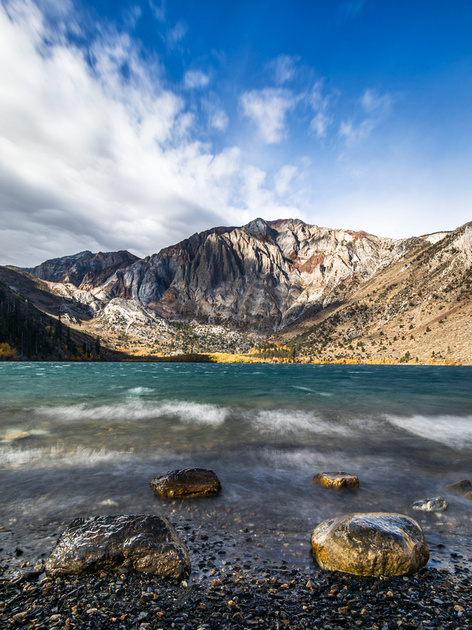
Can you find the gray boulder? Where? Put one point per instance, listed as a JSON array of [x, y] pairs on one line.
[[438, 504], [145, 543], [370, 544]]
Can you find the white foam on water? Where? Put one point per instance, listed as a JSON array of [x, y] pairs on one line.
[[140, 390], [295, 422], [59, 457], [133, 408], [196, 413], [454, 431]]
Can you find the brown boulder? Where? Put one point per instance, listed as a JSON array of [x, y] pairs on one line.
[[370, 544], [461, 487], [336, 480], [188, 482], [145, 543]]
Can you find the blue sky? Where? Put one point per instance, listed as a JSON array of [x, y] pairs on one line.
[[131, 125]]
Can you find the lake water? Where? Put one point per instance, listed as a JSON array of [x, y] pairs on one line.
[[86, 438]]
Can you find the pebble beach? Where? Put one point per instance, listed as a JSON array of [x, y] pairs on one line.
[[231, 585]]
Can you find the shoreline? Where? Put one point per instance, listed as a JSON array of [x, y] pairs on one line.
[[227, 359], [231, 587]]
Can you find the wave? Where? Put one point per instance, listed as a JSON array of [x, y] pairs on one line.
[[295, 422], [133, 408], [140, 390], [454, 431], [55, 456]]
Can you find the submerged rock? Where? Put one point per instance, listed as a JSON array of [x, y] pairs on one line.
[[145, 543], [461, 487], [370, 544], [187, 482], [438, 504], [336, 480]]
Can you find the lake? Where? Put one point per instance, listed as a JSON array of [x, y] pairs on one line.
[[86, 438]]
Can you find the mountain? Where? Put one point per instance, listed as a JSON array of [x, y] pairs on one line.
[[83, 270], [418, 309], [28, 333], [284, 282]]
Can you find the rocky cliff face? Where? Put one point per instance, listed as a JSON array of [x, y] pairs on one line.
[[84, 270], [269, 274], [263, 275]]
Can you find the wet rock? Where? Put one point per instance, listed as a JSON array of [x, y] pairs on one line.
[[438, 504], [468, 495], [145, 543], [370, 544], [461, 487], [336, 480], [187, 482]]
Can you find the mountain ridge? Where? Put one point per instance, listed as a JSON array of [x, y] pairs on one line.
[[265, 280]]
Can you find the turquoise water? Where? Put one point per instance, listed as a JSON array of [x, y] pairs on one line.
[[86, 438]]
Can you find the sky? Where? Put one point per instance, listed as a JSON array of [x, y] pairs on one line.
[[132, 125]]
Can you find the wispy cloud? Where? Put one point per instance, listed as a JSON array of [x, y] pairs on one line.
[[376, 104], [352, 8], [373, 108], [268, 109], [196, 79], [354, 133], [283, 68], [158, 9], [176, 34], [320, 103]]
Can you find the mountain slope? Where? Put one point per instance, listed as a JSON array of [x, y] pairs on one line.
[[419, 307]]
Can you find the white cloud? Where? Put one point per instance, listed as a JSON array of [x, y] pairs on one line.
[[374, 109], [175, 35], [158, 10], [283, 179], [196, 79], [321, 103], [283, 68], [319, 124], [219, 120], [354, 133], [268, 108], [376, 104], [97, 158]]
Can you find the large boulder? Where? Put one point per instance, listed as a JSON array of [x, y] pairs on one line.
[[145, 543], [188, 482], [370, 544], [336, 480]]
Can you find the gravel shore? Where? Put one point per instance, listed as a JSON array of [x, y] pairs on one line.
[[229, 588]]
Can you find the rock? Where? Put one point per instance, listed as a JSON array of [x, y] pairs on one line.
[[15, 435], [336, 480], [437, 504], [145, 543], [188, 482], [370, 544], [461, 487], [468, 495]]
